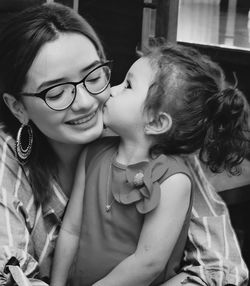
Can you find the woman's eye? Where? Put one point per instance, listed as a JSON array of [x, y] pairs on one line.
[[55, 96], [93, 80]]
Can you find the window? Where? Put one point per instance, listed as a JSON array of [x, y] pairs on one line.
[[215, 22], [71, 3], [218, 28]]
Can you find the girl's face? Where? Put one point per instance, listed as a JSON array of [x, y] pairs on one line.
[[67, 59], [123, 112]]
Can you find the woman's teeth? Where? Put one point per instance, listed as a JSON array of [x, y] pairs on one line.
[[82, 120]]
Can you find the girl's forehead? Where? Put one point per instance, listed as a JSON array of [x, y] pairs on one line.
[[142, 69], [143, 61], [139, 66]]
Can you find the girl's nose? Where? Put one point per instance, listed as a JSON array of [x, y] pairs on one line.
[[114, 90]]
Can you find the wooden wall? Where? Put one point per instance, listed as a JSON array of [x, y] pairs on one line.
[[117, 22], [9, 7]]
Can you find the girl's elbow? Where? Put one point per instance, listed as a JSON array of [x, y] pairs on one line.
[[155, 267]]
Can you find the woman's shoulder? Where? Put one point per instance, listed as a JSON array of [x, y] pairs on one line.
[[7, 143], [11, 169], [104, 142], [14, 183], [100, 146]]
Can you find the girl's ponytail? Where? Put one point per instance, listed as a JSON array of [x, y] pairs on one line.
[[227, 138]]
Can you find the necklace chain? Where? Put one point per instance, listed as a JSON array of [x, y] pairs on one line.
[[108, 205]]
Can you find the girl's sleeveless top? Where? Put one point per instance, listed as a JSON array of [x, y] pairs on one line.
[[108, 237]]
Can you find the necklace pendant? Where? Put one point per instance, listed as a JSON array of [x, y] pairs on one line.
[[108, 208], [138, 179]]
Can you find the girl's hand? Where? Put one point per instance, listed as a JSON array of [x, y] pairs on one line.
[[184, 279]]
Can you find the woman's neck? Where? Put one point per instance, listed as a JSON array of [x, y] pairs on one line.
[[68, 156]]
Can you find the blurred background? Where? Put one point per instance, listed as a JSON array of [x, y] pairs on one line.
[[218, 28]]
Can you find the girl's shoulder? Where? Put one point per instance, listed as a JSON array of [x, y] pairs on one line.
[[144, 181], [166, 166]]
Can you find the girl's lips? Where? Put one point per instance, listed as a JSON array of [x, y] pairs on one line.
[[81, 120], [105, 103]]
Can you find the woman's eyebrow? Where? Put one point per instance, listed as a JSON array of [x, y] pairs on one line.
[[89, 67], [51, 82], [63, 79]]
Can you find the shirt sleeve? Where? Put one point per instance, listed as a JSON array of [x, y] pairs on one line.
[[212, 254], [17, 261]]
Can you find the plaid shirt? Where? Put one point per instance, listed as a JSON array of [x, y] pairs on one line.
[[212, 252], [28, 232]]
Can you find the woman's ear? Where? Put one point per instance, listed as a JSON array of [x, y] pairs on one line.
[[159, 124], [16, 107]]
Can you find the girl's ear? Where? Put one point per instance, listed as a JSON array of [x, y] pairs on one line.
[[158, 125], [16, 107]]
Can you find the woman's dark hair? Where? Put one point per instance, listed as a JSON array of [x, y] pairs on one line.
[[20, 40], [208, 114]]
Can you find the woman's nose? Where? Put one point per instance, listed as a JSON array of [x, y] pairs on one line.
[[83, 99]]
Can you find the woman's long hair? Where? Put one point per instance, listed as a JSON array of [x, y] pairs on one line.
[[20, 41]]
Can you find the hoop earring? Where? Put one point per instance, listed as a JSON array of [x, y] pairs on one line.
[[24, 143]]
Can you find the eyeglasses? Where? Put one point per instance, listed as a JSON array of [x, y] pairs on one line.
[[62, 96]]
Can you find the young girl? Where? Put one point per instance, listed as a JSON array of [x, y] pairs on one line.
[[138, 191]]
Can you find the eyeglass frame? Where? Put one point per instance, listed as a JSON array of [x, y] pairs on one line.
[[42, 94]]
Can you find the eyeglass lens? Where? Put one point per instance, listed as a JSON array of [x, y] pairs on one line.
[[60, 97]]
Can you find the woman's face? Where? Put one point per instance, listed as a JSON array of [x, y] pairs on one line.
[[67, 59]]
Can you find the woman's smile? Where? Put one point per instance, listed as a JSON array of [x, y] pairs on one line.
[[82, 119], [85, 122]]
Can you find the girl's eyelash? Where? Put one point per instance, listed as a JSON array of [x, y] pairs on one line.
[[127, 84]]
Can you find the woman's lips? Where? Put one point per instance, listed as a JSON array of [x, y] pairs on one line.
[[82, 120]]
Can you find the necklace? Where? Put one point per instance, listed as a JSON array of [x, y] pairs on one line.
[[108, 205]]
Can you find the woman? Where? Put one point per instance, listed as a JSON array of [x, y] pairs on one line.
[[54, 80], [44, 47]]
